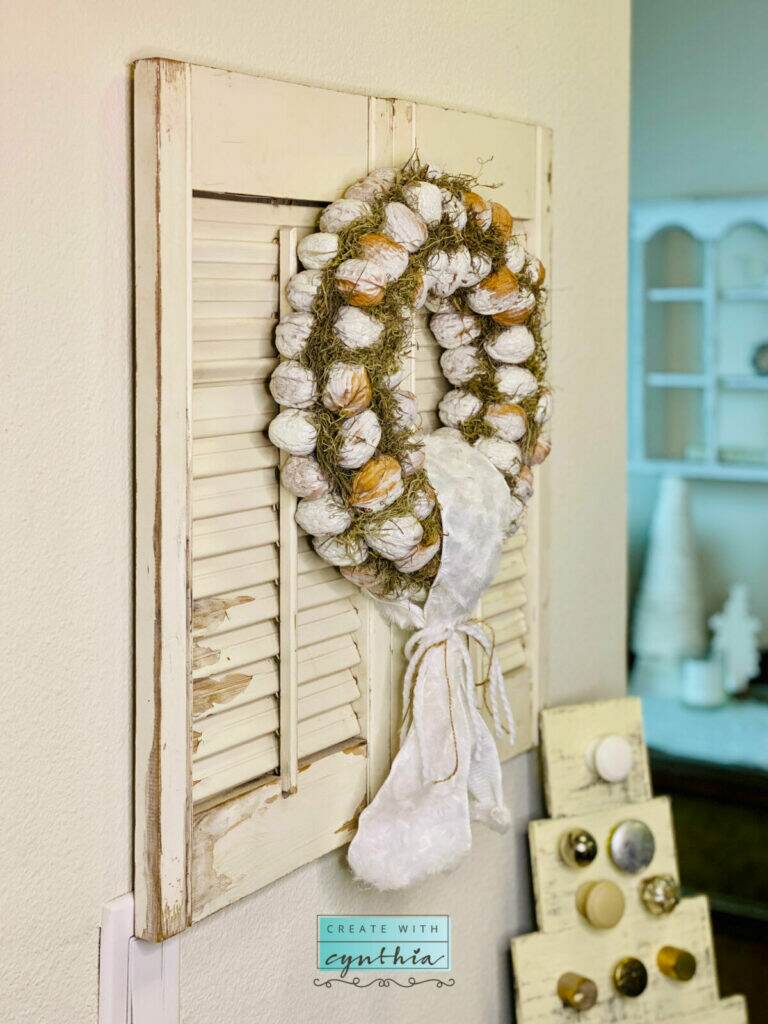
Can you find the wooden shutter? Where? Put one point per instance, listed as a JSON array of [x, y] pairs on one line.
[[266, 710]]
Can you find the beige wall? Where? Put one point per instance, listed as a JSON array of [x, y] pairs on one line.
[[66, 494]]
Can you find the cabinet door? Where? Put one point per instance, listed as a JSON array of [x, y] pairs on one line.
[[265, 695]]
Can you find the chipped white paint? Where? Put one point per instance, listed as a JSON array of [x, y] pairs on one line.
[[555, 883], [571, 786]]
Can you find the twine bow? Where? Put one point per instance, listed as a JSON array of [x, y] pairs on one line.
[[454, 636]]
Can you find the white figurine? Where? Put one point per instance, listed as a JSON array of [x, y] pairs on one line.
[[735, 640]]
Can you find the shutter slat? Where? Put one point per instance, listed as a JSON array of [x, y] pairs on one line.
[[234, 290], [503, 597], [511, 655], [214, 693], [230, 309], [233, 370], [223, 534], [242, 452], [244, 607], [323, 659], [291, 215], [312, 596], [212, 400], [232, 650], [222, 580], [236, 501], [226, 270], [508, 626], [246, 330]]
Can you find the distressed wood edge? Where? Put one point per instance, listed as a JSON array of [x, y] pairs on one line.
[[162, 225]]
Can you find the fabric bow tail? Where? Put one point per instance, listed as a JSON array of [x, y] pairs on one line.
[[447, 769]]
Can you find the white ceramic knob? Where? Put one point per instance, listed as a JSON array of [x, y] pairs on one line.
[[610, 758]]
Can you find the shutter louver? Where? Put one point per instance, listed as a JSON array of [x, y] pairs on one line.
[[236, 522]]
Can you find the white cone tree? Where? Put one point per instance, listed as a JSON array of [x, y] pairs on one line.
[[669, 624]]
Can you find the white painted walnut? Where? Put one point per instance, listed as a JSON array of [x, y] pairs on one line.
[[424, 502], [508, 420], [356, 328], [396, 537], [377, 484], [459, 364], [543, 408], [424, 198], [292, 332], [293, 431], [341, 550], [302, 289], [479, 268], [360, 436], [448, 270], [347, 389], [413, 460], [523, 488], [534, 272], [514, 256], [513, 345], [370, 188], [454, 329], [361, 282], [505, 455], [540, 452], [519, 311], [418, 558], [454, 210], [516, 382], [389, 257], [404, 226], [323, 516], [293, 385], [499, 291], [501, 219], [406, 410], [458, 406], [341, 213], [316, 251], [478, 209], [302, 476]]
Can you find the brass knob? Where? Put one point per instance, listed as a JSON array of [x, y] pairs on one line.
[[660, 894], [601, 903], [631, 846], [578, 848], [576, 991], [630, 977], [677, 964]]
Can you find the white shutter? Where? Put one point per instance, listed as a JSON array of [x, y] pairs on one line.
[[266, 713]]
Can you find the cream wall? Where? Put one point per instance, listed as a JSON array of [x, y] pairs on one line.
[[66, 495], [699, 93]]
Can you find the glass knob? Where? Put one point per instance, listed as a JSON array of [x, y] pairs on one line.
[[601, 903], [631, 846], [576, 991], [630, 977], [578, 848], [660, 894], [678, 964]]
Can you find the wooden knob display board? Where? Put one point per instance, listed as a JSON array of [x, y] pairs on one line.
[[598, 930]]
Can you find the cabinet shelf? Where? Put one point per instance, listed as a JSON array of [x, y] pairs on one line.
[[744, 294], [703, 470], [676, 294], [676, 380], [743, 382]]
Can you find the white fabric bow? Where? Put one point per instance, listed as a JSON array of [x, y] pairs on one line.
[[447, 770]]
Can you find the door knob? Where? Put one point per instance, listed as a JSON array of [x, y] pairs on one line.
[[576, 991], [578, 848], [678, 964], [601, 903], [630, 977], [660, 894], [631, 845], [610, 758]]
